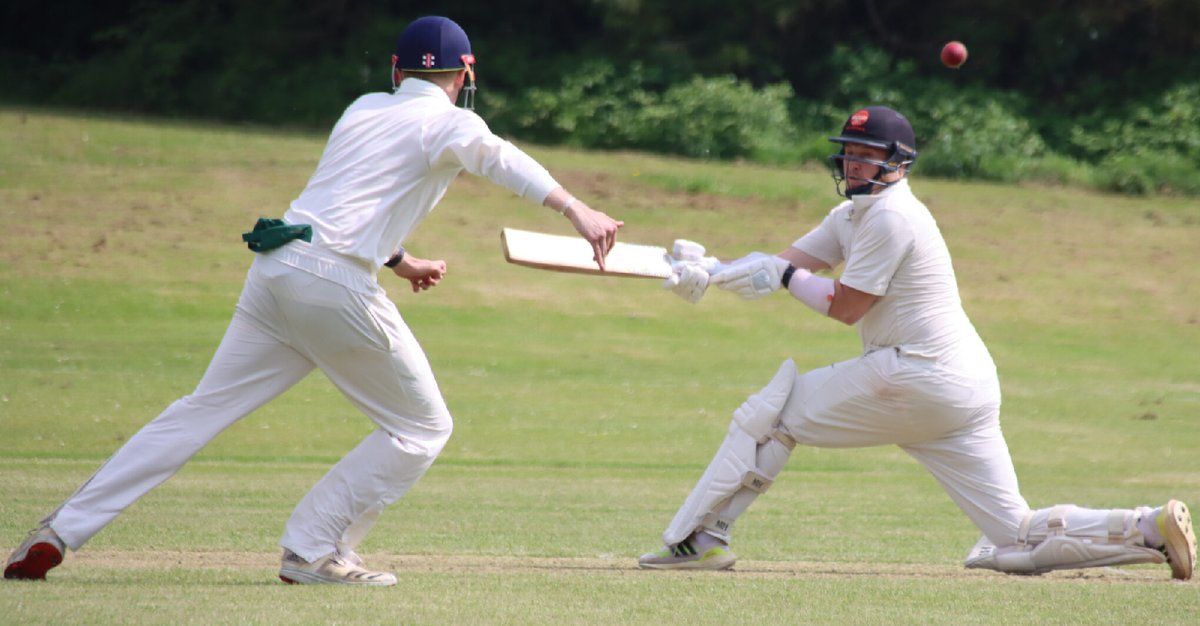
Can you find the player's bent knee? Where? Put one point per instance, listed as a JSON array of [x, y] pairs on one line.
[[751, 456], [760, 414], [442, 433]]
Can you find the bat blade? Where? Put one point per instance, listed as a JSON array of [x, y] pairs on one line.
[[559, 253]]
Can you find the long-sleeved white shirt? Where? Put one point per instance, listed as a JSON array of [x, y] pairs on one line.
[[390, 159]]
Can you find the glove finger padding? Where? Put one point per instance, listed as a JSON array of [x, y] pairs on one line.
[[686, 250], [753, 276], [688, 282], [710, 264]]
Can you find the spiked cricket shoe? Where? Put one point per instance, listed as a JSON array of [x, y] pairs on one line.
[[683, 556], [41, 551], [333, 569], [1175, 525]]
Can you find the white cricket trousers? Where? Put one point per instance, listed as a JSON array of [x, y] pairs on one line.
[[333, 315], [948, 423]]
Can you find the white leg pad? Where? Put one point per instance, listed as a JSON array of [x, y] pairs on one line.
[[735, 468], [1060, 550], [759, 414]]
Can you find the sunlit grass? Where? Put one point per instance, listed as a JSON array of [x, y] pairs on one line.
[[585, 407]]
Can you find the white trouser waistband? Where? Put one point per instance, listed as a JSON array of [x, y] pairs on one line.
[[354, 274]]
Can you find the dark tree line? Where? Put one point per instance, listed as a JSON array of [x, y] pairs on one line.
[[1086, 77], [169, 56]]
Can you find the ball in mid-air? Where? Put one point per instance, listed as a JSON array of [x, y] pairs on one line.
[[954, 54]]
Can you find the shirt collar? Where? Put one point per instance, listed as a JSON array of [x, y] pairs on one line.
[[419, 87]]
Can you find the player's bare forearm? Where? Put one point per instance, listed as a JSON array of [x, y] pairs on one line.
[[804, 260], [849, 304], [422, 273]]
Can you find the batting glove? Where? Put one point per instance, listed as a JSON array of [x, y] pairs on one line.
[[685, 250], [692, 252], [689, 281], [753, 276]]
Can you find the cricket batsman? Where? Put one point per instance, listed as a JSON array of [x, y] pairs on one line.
[[312, 300], [924, 382]]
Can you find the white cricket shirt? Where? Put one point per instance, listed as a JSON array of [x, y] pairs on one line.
[[892, 248], [390, 159]]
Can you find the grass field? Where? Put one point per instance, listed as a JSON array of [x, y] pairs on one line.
[[585, 407]]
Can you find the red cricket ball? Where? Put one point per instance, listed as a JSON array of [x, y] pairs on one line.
[[954, 54]]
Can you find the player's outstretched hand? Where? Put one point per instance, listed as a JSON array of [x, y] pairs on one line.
[[422, 273], [753, 276], [599, 229]]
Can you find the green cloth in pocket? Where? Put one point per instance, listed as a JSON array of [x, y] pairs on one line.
[[269, 234]]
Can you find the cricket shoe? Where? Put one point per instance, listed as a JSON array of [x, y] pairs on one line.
[[1179, 539], [333, 569], [684, 556], [41, 551]]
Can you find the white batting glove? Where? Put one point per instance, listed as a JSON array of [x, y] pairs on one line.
[[689, 281], [692, 252], [685, 250], [753, 276]]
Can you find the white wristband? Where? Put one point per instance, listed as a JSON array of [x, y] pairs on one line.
[[568, 204], [815, 291]]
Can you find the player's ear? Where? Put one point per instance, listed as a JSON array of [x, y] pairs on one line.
[[397, 73]]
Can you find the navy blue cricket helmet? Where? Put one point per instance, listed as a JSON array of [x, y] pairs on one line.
[[878, 127], [433, 44]]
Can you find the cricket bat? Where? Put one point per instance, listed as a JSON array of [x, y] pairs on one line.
[[559, 253]]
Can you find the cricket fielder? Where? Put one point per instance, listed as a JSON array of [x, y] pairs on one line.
[[924, 382], [312, 300]]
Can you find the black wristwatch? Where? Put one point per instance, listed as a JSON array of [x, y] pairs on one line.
[[787, 275], [395, 259]]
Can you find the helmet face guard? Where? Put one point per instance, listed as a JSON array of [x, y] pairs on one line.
[[876, 127], [901, 158]]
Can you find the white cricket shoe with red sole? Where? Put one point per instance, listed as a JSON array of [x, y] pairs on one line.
[[41, 551]]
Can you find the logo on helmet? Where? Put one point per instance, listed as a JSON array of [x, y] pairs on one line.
[[859, 120], [428, 59]]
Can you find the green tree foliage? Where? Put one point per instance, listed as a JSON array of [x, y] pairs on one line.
[[601, 107], [1106, 85], [1152, 146]]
